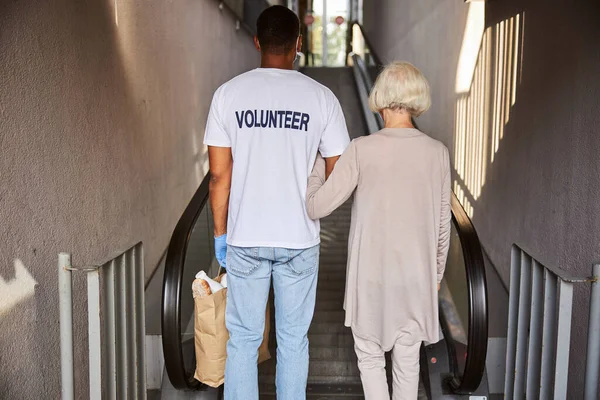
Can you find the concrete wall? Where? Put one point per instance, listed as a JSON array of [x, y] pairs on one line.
[[520, 115], [102, 113]]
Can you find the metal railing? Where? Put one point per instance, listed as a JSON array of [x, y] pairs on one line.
[[116, 326], [539, 330], [363, 86]]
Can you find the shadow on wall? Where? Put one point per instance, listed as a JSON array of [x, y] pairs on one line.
[[62, 95], [18, 318], [98, 101], [487, 80], [19, 288], [154, 61]]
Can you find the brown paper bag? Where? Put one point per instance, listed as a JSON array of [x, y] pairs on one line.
[[211, 335]]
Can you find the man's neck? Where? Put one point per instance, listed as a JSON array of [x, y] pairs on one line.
[[277, 62]]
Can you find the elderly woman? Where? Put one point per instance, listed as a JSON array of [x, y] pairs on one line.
[[399, 234]]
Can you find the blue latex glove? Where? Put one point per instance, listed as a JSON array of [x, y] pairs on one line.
[[221, 249]]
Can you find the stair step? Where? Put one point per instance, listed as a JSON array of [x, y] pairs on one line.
[[344, 339], [328, 327], [334, 304], [310, 396], [328, 316], [333, 266], [318, 368], [332, 275], [321, 392], [331, 285], [332, 257], [318, 371], [334, 368], [340, 266], [322, 353], [318, 380], [333, 298], [332, 354]]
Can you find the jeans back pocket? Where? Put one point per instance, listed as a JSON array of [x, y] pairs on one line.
[[305, 261], [242, 260]]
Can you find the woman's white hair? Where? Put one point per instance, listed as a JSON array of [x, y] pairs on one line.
[[400, 86]]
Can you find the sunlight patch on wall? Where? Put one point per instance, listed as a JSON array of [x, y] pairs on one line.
[[16, 290], [470, 46], [482, 112], [205, 164], [138, 66], [197, 157], [462, 197], [200, 157]]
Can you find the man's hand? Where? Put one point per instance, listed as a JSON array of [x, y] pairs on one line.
[[221, 250]]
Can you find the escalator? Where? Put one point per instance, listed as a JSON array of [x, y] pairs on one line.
[[451, 368]]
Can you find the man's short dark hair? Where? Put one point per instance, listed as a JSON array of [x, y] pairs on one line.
[[277, 30]]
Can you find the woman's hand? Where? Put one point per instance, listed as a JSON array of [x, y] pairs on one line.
[[439, 286]]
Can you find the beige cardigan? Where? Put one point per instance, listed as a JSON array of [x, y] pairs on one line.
[[399, 234]]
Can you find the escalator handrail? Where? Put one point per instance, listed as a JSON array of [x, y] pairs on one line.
[[366, 80], [172, 291], [372, 52], [363, 86], [477, 335]]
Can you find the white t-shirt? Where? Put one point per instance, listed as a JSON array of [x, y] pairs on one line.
[[275, 121]]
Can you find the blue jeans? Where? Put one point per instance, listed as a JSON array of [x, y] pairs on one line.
[[249, 272]]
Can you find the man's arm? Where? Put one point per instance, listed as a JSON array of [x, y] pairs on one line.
[[221, 164], [329, 164], [335, 137]]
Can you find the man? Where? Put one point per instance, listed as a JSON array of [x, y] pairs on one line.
[[263, 133]]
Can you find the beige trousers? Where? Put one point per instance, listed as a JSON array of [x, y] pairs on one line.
[[405, 368]]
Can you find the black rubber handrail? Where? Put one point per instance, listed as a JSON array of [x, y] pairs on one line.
[[467, 381], [172, 292]]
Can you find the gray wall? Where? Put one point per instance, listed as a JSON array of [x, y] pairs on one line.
[[525, 150], [102, 113]]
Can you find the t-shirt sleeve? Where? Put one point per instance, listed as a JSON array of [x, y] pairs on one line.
[[215, 134], [335, 138]]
